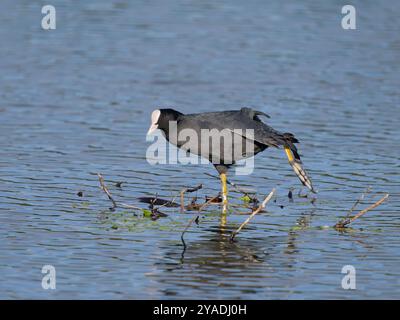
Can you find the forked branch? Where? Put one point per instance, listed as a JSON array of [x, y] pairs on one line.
[[345, 222], [260, 207]]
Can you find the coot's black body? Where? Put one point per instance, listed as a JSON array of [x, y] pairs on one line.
[[245, 118]]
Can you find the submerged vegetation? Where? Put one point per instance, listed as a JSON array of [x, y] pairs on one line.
[[135, 218]]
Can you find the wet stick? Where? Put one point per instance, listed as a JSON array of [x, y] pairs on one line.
[[344, 223], [186, 228], [171, 202], [368, 190], [189, 190], [209, 201], [182, 200], [104, 188], [114, 203], [260, 207]]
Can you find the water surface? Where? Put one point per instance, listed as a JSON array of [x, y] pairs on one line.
[[76, 101]]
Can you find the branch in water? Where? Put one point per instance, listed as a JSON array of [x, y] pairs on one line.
[[368, 190], [345, 222], [209, 201], [188, 190], [114, 203], [187, 227], [104, 188], [260, 207]]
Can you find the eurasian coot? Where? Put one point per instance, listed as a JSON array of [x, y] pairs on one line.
[[244, 124]]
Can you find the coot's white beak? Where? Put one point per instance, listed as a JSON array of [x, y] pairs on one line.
[[154, 121], [152, 128]]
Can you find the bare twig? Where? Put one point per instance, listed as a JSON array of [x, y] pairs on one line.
[[152, 202], [189, 190], [104, 188], [260, 207], [158, 202], [128, 206], [172, 202], [182, 200], [184, 231], [343, 223], [209, 201], [368, 190], [114, 203]]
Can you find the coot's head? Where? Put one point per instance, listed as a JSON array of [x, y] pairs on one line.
[[160, 119]]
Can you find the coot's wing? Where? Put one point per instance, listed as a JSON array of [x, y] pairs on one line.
[[235, 120], [247, 118]]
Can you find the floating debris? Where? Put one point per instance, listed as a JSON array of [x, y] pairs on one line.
[[290, 195], [158, 202], [119, 184], [217, 199]]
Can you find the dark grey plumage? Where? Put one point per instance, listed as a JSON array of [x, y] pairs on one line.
[[245, 118]]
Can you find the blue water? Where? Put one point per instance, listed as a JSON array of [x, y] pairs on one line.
[[77, 100]]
